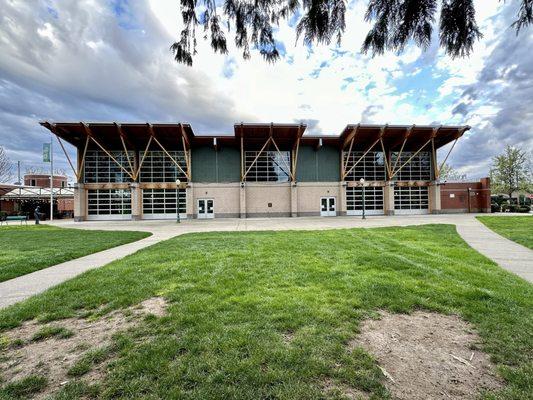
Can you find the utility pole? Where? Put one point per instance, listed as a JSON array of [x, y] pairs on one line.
[[19, 182]]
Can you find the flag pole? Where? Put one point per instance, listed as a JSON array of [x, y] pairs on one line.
[[51, 180]]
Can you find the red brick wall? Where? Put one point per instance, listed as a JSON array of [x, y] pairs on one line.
[[7, 206], [44, 180], [64, 205], [465, 196]]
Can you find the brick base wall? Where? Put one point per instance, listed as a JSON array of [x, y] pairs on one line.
[[466, 196]]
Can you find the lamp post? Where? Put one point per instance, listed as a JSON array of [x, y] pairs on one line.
[[362, 180], [178, 182]]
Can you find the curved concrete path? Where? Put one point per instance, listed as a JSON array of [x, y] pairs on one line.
[[509, 255]]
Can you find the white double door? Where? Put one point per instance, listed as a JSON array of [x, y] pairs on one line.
[[328, 207], [206, 208]]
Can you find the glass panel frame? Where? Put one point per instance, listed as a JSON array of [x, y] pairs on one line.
[[270, 166]]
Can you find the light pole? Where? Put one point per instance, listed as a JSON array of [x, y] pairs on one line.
[[178, 182], [362, 180]]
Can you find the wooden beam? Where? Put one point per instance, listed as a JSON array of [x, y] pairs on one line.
[[170, 156], [345, 163], [445, 158], [121, 134], [283, 159], [389, 172], [143, 157], [87, 130], [350, 136], [256, 157], [185, 136], [414, 155], [66, 154], [295, 150], [242, 157], [406, 136], [360, 158], [82, 163], [187, 158]]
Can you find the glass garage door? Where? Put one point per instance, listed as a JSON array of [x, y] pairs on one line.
[[373, 200], [109, 204], [163, 203], [411, 200]]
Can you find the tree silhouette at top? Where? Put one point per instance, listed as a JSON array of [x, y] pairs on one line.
[[395, 24]]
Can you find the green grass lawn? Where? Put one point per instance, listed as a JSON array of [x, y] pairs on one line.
[[234, 298], [517, 229], [24, 249]]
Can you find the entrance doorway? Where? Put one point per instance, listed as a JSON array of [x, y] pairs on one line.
[[328, 207], [206, 209]]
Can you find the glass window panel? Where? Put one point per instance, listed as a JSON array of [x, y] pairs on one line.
[[271, 166]]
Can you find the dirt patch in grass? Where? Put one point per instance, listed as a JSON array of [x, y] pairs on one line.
[[61, 358], [337, 390], [428, 356]]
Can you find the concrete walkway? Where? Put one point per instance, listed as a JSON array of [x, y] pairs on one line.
[[507, 254], [22, 287]]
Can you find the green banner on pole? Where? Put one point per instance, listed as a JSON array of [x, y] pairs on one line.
[[46, 152]]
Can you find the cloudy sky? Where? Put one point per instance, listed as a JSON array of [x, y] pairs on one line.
[[109, 60]]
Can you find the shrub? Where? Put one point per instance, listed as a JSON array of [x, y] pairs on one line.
[[495, 207]]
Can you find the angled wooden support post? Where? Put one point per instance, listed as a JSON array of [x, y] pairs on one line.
[[81, 164], [360, 158], [256, 157], [385, 158], [88, 132], [242, 155], [122, 140], [289, 170], [406, 136], [449, 151], [295, 150], [152, 136], [52, 128], [433, 134], [351, 136], [186, 148], [142, 158]]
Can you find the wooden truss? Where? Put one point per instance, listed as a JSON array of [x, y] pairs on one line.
[[270, 140], [351, 138], [133, 171], [407, 135], [394, 169]]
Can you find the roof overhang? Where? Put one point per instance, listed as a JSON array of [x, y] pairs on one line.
[[109, 133], [394, 136], [256, 134]]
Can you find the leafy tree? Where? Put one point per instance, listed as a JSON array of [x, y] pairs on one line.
[[449, 173], [395, 23], [511, 171], [5, 166]]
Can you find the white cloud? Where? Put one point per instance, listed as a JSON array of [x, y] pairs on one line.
[[84, 62]]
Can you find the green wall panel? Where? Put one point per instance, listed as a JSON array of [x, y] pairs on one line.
[[322, 165], [209, 165], [329, 164], [229, 164], [306, 168], [203, 164]]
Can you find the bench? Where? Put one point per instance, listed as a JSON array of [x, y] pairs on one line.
[[20, 218]]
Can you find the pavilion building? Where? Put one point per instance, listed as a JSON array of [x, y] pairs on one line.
[[153, 171]]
